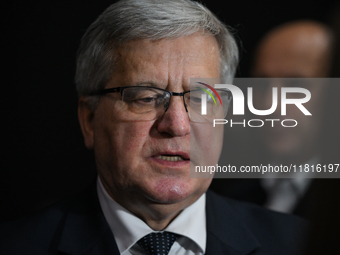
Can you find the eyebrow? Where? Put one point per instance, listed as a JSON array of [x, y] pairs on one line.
[[149, 84], [156, 85]]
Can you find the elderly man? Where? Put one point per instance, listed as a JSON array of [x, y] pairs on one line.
[[133, 77]]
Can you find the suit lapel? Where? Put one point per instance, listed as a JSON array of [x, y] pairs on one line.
[[85, 230], [226, 233]]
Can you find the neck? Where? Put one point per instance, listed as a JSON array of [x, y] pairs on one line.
[[155, 214], [157, 219]]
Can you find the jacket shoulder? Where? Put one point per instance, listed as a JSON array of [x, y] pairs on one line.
[[275, 233], [34, 233]]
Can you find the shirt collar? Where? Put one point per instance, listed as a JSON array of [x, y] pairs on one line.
[[128, 229]]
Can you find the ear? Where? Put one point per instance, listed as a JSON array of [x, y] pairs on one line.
[[86, 121]]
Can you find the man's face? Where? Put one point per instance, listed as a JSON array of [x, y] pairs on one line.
[[129, 154]]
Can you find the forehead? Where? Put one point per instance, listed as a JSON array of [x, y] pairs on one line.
[[167, 61]]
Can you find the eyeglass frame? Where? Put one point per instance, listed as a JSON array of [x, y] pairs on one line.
[[121, 90]]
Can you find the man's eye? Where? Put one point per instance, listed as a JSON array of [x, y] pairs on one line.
[[146, 99], [198, 100], [195, 99]]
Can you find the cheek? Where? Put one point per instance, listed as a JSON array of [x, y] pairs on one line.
[[205, 144], [120, 145], [132, 137]]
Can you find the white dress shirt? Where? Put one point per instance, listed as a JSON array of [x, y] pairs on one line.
[[128, 229]]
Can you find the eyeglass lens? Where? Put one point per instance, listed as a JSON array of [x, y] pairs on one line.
[[147, 103]]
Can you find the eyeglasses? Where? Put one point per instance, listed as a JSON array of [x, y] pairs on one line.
[[144, 103]]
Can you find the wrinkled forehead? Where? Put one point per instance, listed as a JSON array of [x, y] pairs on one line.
[[180, 48], [167, 61]]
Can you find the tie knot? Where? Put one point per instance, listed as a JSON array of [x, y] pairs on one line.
[[157, 243]]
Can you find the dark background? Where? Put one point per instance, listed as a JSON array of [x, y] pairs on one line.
[[42, 150]]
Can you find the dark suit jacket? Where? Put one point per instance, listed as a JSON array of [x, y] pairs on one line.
[[251, 190], [78, 226]]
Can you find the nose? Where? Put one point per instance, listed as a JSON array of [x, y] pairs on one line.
[[175, 120]]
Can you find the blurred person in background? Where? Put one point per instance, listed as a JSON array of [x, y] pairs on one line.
[[299, 49]]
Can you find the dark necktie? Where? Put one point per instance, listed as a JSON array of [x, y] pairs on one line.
[[157, 243]]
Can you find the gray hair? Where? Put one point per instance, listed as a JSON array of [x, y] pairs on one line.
[[128, 20]]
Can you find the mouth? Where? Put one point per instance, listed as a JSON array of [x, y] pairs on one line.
[[171, 158]]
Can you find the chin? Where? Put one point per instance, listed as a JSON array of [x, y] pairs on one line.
[[174, 190]]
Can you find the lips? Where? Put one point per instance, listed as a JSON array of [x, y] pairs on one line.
[[175, 159], [171, 158], [172, 155]]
